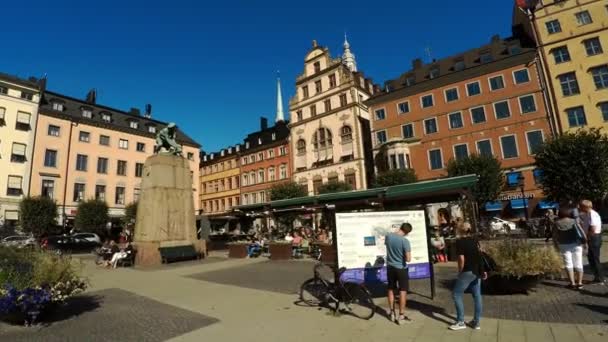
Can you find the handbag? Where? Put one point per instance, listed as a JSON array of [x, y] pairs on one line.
[[579, 233], [487, 263]]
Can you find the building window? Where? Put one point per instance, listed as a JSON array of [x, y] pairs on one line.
[[78, 192], [593, 46], [346, 133], [190, 156], [23, 121], [271, 153], [478, 115], [3, 90], [461, 151], [282, 150], [327, 104], [407, 131], [14, 186], [427, 101], [84, 136], [123, 144], [501, 109], [527, 104], [245, 179], [322, 139], [50, 158], [600, 76], [27, 96], [119, 195], [58, 106], [104, 140], [283, 171], [484, 148], [561, 54], [404, 107], [86, 113], [261, 156], [434, 73], [485, 58], [603, 106], [299, 115], [380, 114], [272, 174], [583, 18], [455, 120], [509, 147], [121, 168], [381, 137], [535, 141], [100, 192], [261, 176], [576, 116], [81, 162], [569, 84], [332, 80], [140, 147], [305, 92], [151, 129], [301, 146], [139, 169], [313, 110], [48, 188], [521, 76], [317, 67], [2, 113], [497, 82], [410, 81], [102, 165], [430, 126], [18, 153], [459, 66], [435, 159], [134, 124], [473, 89], [106, 117], [451, 94], [553, 26], [318, 87], [343, 101]]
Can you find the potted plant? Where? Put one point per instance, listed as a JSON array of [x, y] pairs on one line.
[[238, 249], [280, 250], [520, 265]]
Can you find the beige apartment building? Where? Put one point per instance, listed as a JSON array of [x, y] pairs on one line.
[[18, 114], [330, 130], [85, 150]]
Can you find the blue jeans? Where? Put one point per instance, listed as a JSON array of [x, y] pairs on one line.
[[252, 249], [464, 281]]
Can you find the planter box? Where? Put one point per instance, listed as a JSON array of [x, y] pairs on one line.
[[280, 251], [329, 254], [237, 251]]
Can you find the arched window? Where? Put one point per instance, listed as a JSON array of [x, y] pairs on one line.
[[301, 146], [346, 133], [252, 177], [322, 139]]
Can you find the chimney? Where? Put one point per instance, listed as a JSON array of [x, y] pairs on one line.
[[42, 84], [263, 123], [417, 63], [91, 96], [134, 111], [148, 111]]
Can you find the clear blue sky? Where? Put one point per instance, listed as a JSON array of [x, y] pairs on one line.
[[212, 67]]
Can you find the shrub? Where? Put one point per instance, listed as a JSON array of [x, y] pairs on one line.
[[92, 216], [38, 215], [519, 258], [395, 177], [333, 187]]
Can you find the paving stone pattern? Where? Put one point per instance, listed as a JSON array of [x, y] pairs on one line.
[[111, 315]]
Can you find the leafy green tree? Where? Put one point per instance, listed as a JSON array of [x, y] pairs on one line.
[[287, 190], [92, 216], [130, 213], [491, 178], [38, 215], [575, 166], [332, 187], [395, 177]]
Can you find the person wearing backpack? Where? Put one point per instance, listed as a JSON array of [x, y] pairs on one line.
[[569, 238]]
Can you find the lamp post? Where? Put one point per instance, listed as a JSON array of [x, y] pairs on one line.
[[521, 181]]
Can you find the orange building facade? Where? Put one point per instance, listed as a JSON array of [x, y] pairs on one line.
[[485, 101]]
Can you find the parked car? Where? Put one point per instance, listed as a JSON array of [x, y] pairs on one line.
[[500, 226], [68, 244], [18, 241], [88, 236]]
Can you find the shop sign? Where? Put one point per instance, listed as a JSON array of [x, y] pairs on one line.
[[508, 197]]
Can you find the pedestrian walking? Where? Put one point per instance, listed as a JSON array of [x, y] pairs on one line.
[[570, 238], [592, 224], [398, 254], [470, 273]]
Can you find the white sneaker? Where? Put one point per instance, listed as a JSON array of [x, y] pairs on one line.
[[403, 320], [393, 317], [458, 326]]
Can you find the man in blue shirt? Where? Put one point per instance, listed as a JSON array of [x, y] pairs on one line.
[[398, 254]]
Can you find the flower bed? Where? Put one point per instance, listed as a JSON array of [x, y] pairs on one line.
[[32, 281]]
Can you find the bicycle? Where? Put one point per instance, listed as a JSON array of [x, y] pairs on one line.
[[356, 298]]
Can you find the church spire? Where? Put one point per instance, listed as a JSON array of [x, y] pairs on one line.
[[280, 115], [348, 58]]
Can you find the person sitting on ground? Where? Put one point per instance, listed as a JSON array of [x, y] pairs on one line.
[[566, 239], [296, 244]]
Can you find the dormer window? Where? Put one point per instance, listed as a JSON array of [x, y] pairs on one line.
[[317, 66], [410, 81], [259, 141], [434, 73], [58, 106], [274, 136], [152, 129], [459, 66], [514, 49], [247, 144], [27, 96], [3, 90], [134, 124], [485, 57], [87, 113], [107, 117]]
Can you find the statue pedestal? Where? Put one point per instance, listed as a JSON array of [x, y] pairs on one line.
[[165, 213]]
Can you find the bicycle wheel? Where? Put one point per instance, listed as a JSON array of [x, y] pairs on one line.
[[314, 292], [359, 301]]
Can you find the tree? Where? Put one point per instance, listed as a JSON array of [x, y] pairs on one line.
[[395, 177], [130, 213], [333, 187], [488, 168], [575, 166], [38, 215], [287, 190], [92, 216]]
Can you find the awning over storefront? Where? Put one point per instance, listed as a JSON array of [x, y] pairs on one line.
[[519, 203], [545, 204], [493, 206]]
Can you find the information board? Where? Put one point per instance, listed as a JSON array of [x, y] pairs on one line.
[[361, 249]]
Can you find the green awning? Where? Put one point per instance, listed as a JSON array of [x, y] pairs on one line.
[[444, 185], [293, 202], [351, 195]]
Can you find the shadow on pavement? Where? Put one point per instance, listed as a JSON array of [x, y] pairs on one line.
[[73, 308]]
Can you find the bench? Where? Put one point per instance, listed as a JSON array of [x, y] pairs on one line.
[[178, 253]]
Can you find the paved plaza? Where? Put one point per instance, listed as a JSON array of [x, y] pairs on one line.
[[222, 299]]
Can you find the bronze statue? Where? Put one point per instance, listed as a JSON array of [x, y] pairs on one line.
[[165, 141]]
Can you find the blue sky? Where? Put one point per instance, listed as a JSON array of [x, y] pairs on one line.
[[212, 67]]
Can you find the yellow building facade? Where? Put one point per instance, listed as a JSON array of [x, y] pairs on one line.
[[220, 187], [572, 37]]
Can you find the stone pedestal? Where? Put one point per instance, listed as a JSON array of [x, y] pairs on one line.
[[165, 213]]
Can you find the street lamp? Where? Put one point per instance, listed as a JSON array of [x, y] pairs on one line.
[[520, 180]]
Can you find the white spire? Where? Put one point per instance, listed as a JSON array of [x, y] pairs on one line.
[[348, 58], [280, 115]]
